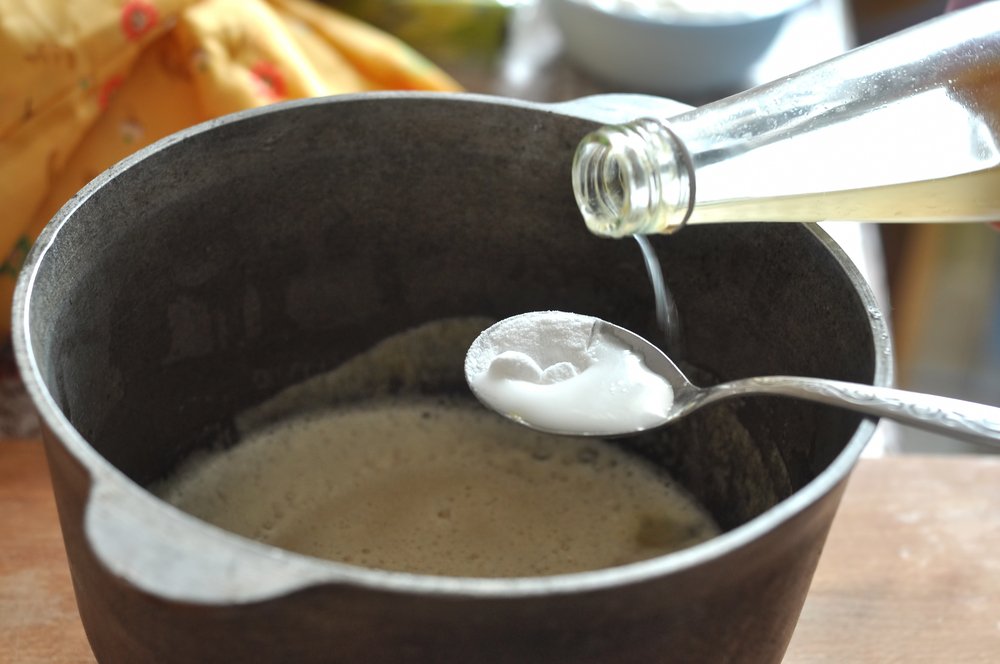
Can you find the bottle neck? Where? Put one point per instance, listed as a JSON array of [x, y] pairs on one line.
[[634, 179]]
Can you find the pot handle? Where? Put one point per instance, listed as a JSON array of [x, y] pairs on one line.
[[174, 556], [619, 108]]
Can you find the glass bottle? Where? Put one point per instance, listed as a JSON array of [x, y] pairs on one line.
[[904, 129]]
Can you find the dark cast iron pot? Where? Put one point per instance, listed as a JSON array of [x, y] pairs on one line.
[[205, 273]]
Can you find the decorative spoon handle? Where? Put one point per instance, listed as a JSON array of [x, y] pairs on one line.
[[964, 420]]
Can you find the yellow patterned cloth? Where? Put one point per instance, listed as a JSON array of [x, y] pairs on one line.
[[85, 83]]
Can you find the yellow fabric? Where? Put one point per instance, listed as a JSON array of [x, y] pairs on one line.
[[85, 83]]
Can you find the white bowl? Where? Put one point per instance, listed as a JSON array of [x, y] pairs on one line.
[[685, 55]]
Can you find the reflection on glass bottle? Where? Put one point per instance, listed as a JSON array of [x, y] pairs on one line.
[[904, 129]]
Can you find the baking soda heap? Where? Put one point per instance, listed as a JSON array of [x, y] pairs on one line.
[[565, 373]]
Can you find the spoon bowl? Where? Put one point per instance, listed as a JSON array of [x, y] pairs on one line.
[[963, 420]]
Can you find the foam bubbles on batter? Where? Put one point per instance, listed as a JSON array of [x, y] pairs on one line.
[[435, 486]]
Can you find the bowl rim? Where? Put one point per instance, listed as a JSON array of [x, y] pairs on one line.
[[624, 11]]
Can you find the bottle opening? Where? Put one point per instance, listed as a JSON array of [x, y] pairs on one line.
[[614, 196], [599, 186], [626, 180]]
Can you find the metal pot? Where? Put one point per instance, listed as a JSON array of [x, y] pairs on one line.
[[206, 272]]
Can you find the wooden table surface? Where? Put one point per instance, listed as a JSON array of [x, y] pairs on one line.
[[911, 572]]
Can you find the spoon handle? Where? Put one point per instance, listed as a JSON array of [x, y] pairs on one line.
[[964, 420]]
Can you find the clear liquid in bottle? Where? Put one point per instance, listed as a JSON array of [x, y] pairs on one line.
[[906, 129]]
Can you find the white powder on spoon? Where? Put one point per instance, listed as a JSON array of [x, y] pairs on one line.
[[559, 372]]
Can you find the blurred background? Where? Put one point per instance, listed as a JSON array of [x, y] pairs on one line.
[[941, 282]]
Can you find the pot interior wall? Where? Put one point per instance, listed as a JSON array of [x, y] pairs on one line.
[[240, 260]]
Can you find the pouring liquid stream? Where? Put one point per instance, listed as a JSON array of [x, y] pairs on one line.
[[667, 317]]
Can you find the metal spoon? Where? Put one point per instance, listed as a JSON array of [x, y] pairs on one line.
[[964, 420]]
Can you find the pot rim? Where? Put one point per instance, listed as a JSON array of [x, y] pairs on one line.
[[300, 571]]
